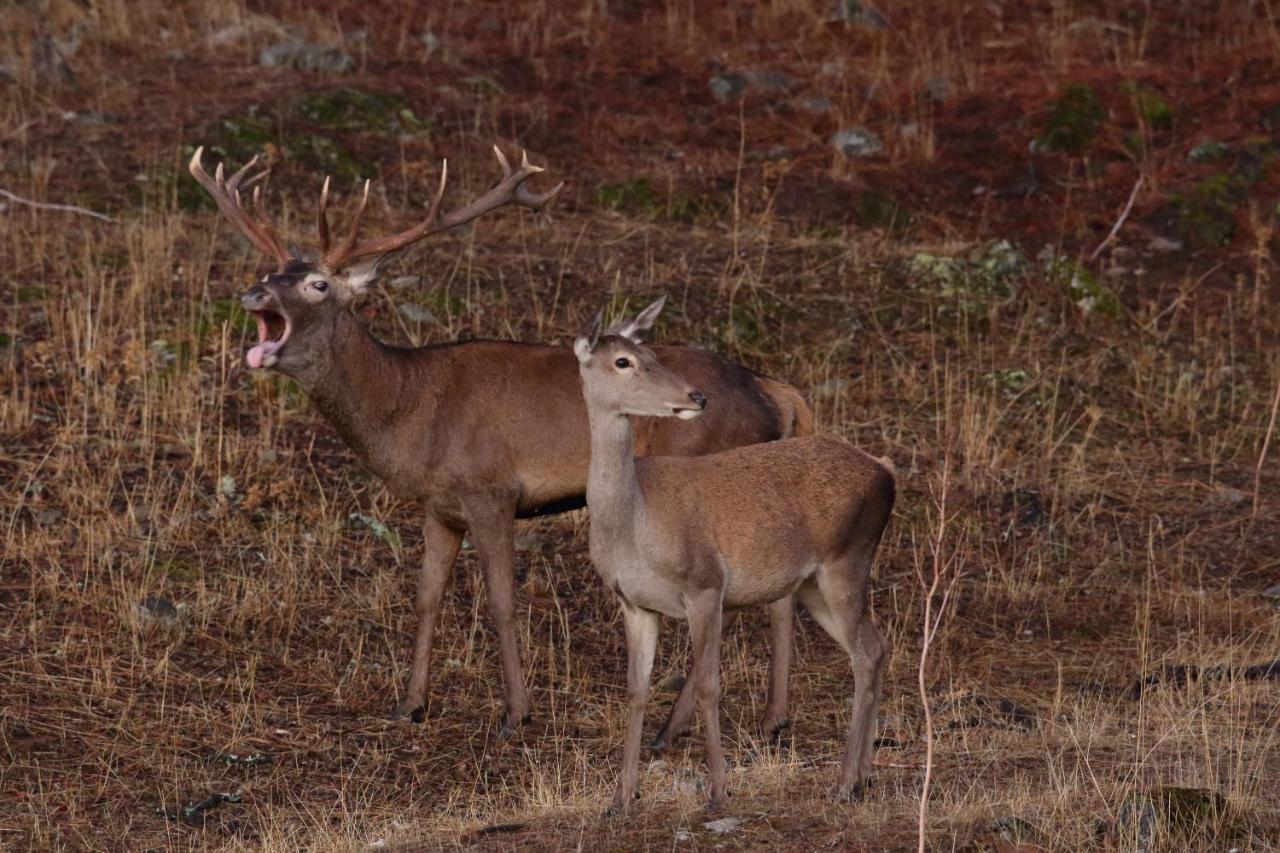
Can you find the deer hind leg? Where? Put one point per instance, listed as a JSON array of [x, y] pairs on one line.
[[781, 632], [836, 597], [705, 611], [775, 720], [642, 643], [494, 534], [441, 550], [677, 723]]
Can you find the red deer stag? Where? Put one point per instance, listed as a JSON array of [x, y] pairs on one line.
[[480, 432]]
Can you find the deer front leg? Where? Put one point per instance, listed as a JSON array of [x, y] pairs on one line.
[[705, 610], [494, 534], [642, 644], [441, 545]]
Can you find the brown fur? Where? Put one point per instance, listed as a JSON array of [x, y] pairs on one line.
[[691, 537]]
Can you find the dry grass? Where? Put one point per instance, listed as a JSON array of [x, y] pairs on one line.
[[1103, 467]]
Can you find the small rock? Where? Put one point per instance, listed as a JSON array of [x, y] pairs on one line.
[[402, 281], [307, 57], [1227, 496], [1164, 244], [47, 517], [724, 825], [829, 389], [1178, 812], [528, 541], [1014, 830], [430, 43], [687, 781], [938, 89], [683, 835], [817, 105], [857, 142], [735, 84], [416, 313], [1273, 593], [858, 12], [161, 611]]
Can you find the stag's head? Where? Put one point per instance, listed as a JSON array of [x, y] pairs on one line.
[[621, 376], [298, 306]]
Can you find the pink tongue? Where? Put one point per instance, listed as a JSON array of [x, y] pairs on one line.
[[255, 356]]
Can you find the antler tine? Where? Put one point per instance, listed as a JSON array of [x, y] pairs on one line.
[[265, 223], [322, 217], [510, 190], [347, 253], [226, 195], [342, 253]]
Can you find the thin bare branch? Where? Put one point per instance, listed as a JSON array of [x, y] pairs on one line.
[[62, 208]]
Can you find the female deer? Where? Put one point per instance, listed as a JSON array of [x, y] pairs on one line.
[[688, 537]]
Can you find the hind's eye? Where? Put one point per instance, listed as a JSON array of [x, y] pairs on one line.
[[321, 286], [622, 363]]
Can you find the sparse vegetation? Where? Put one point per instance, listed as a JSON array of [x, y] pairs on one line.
[[205, 608]]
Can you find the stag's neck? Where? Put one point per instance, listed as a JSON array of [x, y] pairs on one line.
[[362, 390], [613, 488]]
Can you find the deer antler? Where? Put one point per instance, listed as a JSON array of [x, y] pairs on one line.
[[510, 190], [226, 192]]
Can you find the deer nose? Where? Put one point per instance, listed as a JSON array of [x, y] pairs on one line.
[[255, 297], [699, 398]]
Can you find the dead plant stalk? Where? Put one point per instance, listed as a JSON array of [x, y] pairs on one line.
[[942, 576]]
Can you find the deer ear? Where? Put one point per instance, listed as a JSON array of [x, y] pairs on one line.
[[642, 322], [586, 340], [362, 273]]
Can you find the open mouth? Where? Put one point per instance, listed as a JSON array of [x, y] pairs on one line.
[[273, 331]]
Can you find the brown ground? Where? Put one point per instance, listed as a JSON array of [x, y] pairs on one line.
[[1110, 514]]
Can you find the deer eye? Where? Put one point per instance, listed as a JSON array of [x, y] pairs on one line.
[[321, 286], [622, 363]]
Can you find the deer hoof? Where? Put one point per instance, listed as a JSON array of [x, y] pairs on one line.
[[771, 731], [407, 711], [511, 726], [853, 793]]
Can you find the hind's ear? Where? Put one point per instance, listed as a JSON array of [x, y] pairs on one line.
[[642, 322], [586, 340]]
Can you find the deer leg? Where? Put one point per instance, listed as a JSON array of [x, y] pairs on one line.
[[677, 723], [837, 600], [642, 644], [781, 632], [440, 552], [494, 536], [705, 611]]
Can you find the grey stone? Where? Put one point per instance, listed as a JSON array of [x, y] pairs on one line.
[[724, 825], [528, 541], [416, 313], [402, 281], [735, 84], [1273, 593], [818, 105], [159, 611], [829, 389], [47, 517], [307, 57], [857, 142], [938, 89], [858, 12], [1164, 244]]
